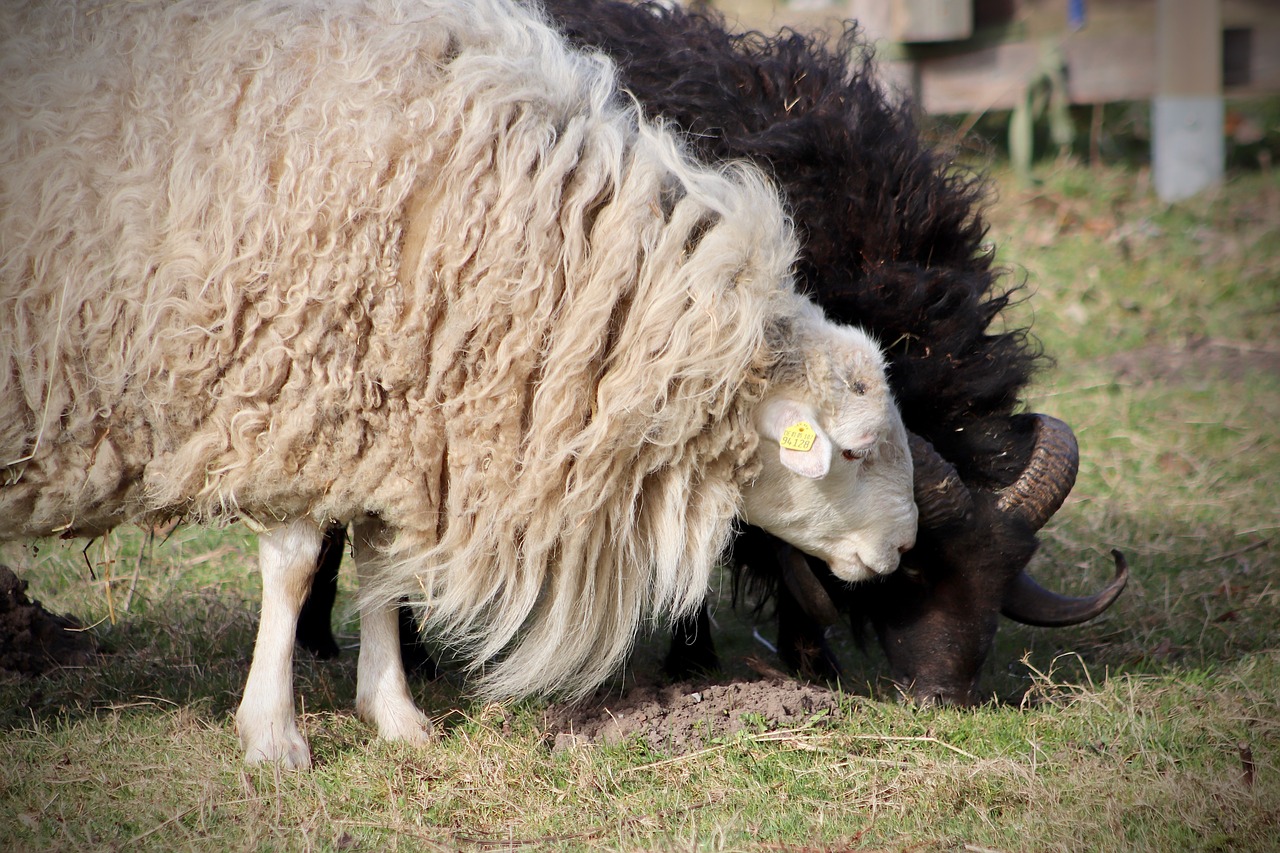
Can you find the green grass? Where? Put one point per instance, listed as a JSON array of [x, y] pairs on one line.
[[1127, 739]]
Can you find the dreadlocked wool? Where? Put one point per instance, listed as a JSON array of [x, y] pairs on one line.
[[402, 259]]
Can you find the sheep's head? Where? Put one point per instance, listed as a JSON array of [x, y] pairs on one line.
[[836, 477], [936, 619]]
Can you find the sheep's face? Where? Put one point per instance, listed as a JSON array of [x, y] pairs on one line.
[[836, 477]]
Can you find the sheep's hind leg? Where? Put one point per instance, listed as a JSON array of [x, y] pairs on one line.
[[382, 693], [265, 720]]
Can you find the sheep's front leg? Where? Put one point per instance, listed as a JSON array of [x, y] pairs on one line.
[[382, 693], [265, 720]]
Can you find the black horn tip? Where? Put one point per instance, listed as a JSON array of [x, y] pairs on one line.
[[1122, 574], [1026, 601]]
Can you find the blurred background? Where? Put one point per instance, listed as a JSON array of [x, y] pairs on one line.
[[1188, 85]]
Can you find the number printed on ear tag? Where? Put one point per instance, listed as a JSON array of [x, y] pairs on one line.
[[798, 437]]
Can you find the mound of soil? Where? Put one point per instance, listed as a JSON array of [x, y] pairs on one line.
[[33, 640], [683, 717]]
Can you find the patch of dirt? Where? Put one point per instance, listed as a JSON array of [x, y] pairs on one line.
[[33, 640], [686, 716], [1198, 359]]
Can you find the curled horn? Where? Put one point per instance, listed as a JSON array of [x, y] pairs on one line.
[[941, 496], [1027, 602], [1050, 473]]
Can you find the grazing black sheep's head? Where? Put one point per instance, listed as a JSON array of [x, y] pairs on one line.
[[936, 619], [937, 616]]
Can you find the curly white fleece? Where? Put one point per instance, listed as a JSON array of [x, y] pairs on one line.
[[407, 259]]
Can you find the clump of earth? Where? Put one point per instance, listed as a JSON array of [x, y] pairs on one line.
[[687, 716], [33, 640]]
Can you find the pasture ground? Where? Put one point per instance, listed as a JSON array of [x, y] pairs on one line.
[[1156, 727]]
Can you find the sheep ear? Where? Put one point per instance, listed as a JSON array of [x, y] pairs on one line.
[[803, 446]]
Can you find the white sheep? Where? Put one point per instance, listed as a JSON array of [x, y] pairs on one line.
[[410, 265]]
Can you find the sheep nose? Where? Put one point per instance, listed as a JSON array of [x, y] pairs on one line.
[[902, 549]]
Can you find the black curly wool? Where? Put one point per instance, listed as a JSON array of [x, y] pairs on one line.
[[892, 231]]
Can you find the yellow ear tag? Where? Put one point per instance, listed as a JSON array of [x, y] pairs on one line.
[[798, 437]]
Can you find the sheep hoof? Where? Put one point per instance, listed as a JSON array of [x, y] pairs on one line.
[[417, 730], [290, 751], [396, 721]]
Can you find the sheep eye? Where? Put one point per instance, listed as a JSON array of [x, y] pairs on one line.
[[859, 387], [851, 455]]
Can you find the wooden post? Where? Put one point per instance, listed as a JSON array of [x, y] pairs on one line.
[[1187, 148]]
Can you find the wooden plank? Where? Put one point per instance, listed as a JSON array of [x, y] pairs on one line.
[[1104, 67], [931, 20], [989, 79], [1101, 67]]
